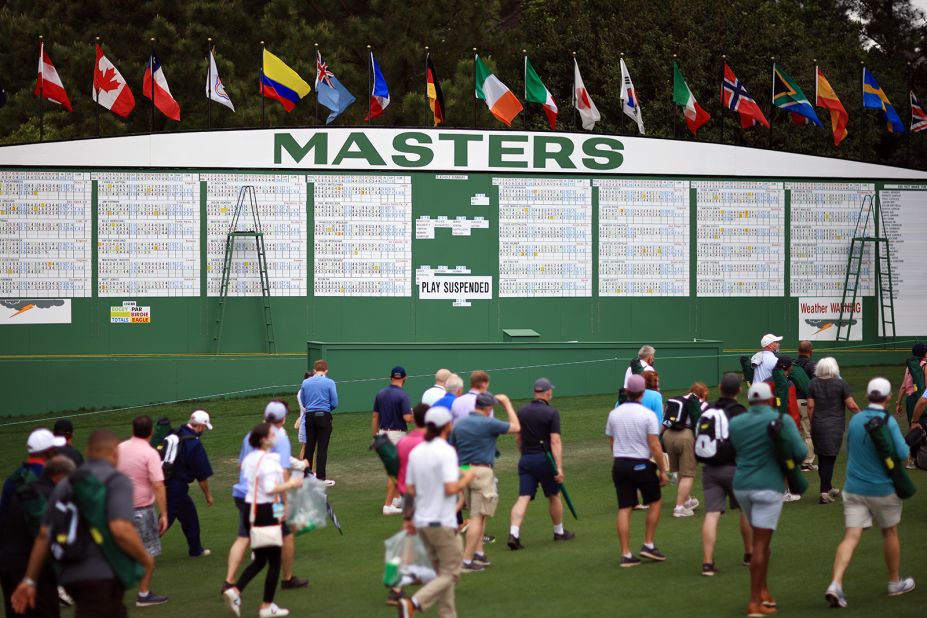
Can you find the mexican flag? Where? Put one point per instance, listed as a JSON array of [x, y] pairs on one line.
[[499, 99], [537, 92], [682, 96]]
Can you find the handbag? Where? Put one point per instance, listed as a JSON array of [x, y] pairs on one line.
[[263, 536], [915, 438]]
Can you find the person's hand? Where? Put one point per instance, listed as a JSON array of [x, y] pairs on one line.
[[559, 476], [664, 479], [209, 500], [162, 524], [298, 421], [503, 399], [407, 525], [296, 482], [23, 598]]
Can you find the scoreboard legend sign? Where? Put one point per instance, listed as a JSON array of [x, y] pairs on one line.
[[129, 312]]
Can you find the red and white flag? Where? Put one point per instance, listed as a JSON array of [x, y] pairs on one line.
[[48, 84], [109, 88], [583, 102], [162, 94]]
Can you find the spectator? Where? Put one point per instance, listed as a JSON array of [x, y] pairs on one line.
[[191, 464], [437, 391], [266, 500], [680, 446], [641, 364], [454, 386], [464, 404], [764, 361], [391, 411], [805, 350], [870, 495], [828, 396], [652, 398], [912, 383], [142, 465], [319, 398], [300, 424], [65, 429]]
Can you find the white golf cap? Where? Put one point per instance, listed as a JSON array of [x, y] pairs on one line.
[[759, 392], [275, 411], [439, 417], [41, 440], [769, 338], [200, 417], [879, 387]]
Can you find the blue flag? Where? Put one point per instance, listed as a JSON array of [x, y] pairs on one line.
[[329, 90], [874, 98]]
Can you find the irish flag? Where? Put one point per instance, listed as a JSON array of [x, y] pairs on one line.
[[499, 99], [682, 96], [537, 92]]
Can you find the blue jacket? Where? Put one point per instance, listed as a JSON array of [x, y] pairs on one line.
[[866, 474]]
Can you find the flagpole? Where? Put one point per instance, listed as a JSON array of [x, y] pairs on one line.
[[41, 79], [815, 61], [723, 62], [151, 70], [573, 98], [907, 150], [315, 118], [209, 82], [96, 96], [771, 97], [673, 106], [426, 87], [621, 111], [369, 85], [262, 84], [524, 117], [475, 102]]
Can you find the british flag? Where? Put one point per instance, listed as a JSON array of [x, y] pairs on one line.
[[323, 74], [735, 97], [918, 116]]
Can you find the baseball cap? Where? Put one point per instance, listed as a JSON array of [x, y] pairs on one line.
[[879, 387], [759, 392], [397, 372], [41, 440], [769, 338], [274, 411], [636, 384], [200, 417], [439, 416], [542, 384], [486, 400]]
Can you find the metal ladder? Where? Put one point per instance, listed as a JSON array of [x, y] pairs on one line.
[[247, 198], [884, 286]]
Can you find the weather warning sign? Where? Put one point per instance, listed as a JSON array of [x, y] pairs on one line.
[[35, 311], [819, 318]]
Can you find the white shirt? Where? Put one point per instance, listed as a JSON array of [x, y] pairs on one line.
[[431, 465], [629, 425], [299, 400], [433, 394], [269, 475], [764, 368], [463, 405], [645, 366]]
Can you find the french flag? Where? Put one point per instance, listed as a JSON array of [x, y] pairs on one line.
[[379, 97], [48, 84], [162, 94]]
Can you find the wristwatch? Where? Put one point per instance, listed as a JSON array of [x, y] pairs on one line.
[[29, 581]]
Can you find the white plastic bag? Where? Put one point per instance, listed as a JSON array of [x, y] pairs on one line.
[[406, 561], [307, 506]]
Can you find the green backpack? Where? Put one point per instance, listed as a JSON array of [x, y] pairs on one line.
[[33, 503], [877, 428]]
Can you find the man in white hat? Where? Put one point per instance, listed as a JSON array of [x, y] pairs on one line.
[[870, 495], [764, 361], [191, 464]]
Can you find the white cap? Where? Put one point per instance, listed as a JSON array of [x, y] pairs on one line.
[[275, 411], [759, 391], [439, 417], [200, 417], [42, 439], [879, 387], [769, 338]]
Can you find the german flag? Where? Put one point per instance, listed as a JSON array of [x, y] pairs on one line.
[[433, 91]]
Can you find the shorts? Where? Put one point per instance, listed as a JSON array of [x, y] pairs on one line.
[[481, 495], [146, 522], [301, 436], [762, 507], [718, 483], [859, 511], [244, 519], [680, 446], [534, 468], [635, 475], [394, 435]]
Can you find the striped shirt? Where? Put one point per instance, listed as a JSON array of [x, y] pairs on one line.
[[629, 425]]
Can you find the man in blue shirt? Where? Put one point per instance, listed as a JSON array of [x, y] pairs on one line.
[[392, 409], [454, 386], [869, 494], [475, 436], [191, 464], [319, 397]]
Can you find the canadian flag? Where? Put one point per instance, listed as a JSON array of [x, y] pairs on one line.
[[155, 80], [109, 88], [48, 84]]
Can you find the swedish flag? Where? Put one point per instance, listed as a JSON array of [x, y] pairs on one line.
[[874, 98]]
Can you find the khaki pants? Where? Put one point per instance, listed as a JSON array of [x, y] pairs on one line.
[[445, 550], [805, 429]]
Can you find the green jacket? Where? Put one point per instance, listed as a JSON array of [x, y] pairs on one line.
[[757, 466]]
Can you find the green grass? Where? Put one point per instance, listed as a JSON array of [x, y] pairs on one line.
[[579, 578]]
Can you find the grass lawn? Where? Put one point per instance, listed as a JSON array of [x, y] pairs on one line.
[[579, 578]]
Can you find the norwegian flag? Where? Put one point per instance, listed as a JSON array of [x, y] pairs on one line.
[[735, 97], [918, 116]]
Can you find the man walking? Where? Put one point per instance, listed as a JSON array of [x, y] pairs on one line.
[[764, 361], [464, 404], [65, 429], [191, 464], [869, 494], [805, 349], [475, 437], [634, 437], [320, 398], [454, 386], [643, 362], [141, 464], [539, 432], [391, 411], [433, 481], [436, 392], [759, 483]]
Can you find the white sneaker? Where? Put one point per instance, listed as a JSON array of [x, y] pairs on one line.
[[329, 482], [273, 610], [691, 503], [834, 596], [790, 497], [397, 502], [682, 511], [232, 601], [900, 587], [389, 509]]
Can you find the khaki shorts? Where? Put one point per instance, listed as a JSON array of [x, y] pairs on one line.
[[481, 494], [680, 446], [394, 435], [859, 511]]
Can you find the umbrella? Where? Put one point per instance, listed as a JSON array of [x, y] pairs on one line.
[[563, 489]]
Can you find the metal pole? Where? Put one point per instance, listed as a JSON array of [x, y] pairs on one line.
[[723, 63], [673, 106], [315, 119], [574, 91], [369, 83], [907, 150], [96, 96], [262, 85], [620, 90], [209, 81], [42, 89], [771, 104], [427, 106], [524, 117], [151, 71], [474, 81]]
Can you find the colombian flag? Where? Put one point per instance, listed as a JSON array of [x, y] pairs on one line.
[[281, 83]]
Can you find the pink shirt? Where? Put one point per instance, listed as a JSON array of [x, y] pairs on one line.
[[404, 447], [907, 384], [139, 461]]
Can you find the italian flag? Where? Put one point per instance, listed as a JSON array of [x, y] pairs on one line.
[[537, 92], [682, 96], [499, 99]]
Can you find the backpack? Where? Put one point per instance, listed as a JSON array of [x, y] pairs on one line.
[[162, 429], [637, 368], [30, 499], [169, 449], [746, 366], [713, 438], [681, 412]]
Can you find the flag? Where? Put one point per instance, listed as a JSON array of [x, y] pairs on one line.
[[874, 98], [735, 97], [827, 98], [918, 116], [379, 96], [584, 105], [788, 96], [682, 96], [109, 87], [215, 89], [433, 91], [155, 79], [537, 92], [329, 90], [281, 83], [48, 84], [499, 99], [630, 104]]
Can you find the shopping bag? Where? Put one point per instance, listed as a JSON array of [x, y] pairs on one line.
[[406, 561], [307, 506]]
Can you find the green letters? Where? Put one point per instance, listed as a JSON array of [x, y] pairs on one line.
[[461, 146], [365, 150], [602, 153], [561, 156], [401, 144], [285, 141], [497, 150]]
